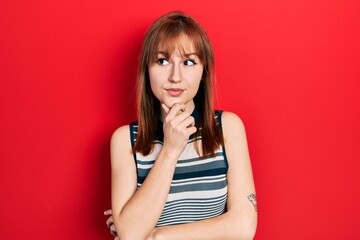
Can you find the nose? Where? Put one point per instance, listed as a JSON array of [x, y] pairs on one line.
[[175, 75]]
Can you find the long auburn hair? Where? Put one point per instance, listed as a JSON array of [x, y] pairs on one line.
[[165, 31]]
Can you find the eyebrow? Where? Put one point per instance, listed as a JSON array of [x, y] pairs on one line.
[[190, 54], [166, 54]]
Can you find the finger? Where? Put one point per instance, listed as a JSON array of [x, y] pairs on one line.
[[182, 107], [109, 221], [190, 131], [179, 119], [108, 212], [113, 230], [176, 109], [187, 123]]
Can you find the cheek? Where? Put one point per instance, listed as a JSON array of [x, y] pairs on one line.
[[195, 78], [154, 87], [158, 75], [156, 83], [196, 87], [154, 79]]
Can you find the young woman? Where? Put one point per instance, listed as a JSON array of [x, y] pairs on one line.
[[171, 176]]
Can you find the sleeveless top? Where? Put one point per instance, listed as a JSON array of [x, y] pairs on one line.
[[199, 187]]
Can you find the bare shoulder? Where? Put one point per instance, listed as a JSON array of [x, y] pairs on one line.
[[120, 134], [120, 144], [232, 124], [234, 138]]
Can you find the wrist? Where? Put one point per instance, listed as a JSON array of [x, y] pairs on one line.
[[171, 153]]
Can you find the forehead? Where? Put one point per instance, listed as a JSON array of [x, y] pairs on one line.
[[181, 44]]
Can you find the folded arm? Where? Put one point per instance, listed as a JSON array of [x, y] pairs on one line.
[[240, 220], [136, 211]]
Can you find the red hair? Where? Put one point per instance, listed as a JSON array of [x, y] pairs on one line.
[[164, 32]]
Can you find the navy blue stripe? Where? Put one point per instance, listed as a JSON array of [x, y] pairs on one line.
[[211, 172], [197, 158], [146, 162], [200, 167], [198, 187]]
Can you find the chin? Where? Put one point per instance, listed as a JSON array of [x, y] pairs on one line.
[[171, 103]]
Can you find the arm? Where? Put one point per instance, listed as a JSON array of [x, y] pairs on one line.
[[135, 212], [240, 220]]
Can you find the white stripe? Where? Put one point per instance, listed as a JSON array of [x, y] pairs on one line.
[[196, 194], [210, 200], [199, 178], [200, 161], [193, 212], [143, 166], [152, 156], [196, 182], [200, 206], [186, 219]]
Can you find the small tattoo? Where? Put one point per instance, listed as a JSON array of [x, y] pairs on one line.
[[252, 199]]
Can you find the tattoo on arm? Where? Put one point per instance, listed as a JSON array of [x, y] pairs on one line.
[[252, 199]]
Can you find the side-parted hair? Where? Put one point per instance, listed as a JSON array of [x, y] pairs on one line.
[[164, 32]]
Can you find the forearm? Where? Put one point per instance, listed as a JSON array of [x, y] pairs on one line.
[[148, 202], [226, 226]]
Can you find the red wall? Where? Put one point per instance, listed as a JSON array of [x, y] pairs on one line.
[[290, 69]]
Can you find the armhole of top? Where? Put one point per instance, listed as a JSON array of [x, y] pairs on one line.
[[218, 113], [133, 133]]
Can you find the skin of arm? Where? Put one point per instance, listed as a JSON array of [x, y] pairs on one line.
[[240, 220], [136, 211]]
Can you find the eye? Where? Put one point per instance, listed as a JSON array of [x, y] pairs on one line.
[[162, 61], [189, 62]]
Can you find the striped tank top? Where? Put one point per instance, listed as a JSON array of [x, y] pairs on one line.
[[198, 189]]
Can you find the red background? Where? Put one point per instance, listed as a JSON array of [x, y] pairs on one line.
[[290, 69]]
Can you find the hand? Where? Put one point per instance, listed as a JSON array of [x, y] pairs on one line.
[[110, 224], [178, 127]]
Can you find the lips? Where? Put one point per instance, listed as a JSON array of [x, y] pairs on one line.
[[175, 92]]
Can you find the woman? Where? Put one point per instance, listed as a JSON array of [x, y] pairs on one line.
[[171, 176]]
